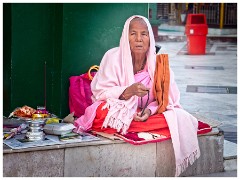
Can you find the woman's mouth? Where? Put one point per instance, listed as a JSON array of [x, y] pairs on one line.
[[139, 47]]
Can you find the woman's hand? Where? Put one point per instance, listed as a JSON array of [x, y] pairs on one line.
[[137, 89], [137, 116]]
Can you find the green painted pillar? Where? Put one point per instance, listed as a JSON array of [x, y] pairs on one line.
[[67, 37]]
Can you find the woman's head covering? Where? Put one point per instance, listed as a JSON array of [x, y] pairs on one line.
[[115, 75], [125, 47]]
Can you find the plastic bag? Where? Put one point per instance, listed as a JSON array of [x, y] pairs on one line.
[[80, 92]]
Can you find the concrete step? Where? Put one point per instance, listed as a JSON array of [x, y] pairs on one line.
[[230, 156], [220, 174]]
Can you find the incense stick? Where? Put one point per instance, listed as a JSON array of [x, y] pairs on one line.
[[45, 86]]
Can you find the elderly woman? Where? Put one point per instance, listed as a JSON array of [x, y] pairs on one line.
[[129, 97]]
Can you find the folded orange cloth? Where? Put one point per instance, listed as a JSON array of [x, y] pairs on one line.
[[161, 82]]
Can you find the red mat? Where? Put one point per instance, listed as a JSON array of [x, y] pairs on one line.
[[138, 138]]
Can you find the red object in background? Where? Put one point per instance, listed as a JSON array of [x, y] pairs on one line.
[[196, 30]]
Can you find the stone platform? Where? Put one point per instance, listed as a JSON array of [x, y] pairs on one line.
[[111, 158]]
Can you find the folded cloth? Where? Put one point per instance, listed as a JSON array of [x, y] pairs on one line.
[[139, 138], [161, 81], [203, 128], [155, 129]]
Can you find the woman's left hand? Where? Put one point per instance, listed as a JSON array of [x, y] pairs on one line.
[[137, 116]]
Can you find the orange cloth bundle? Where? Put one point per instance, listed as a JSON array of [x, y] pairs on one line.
[[161, 82]]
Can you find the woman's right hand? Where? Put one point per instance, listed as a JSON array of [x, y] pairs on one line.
[[137, 89]]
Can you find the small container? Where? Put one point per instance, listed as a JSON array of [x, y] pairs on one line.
[[58, 128], [41, 110], [36, 116], [35, 132]]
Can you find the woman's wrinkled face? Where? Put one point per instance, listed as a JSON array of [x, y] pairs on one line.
[[138, 36]]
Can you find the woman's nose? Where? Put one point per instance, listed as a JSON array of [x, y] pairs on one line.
[[139, 38]]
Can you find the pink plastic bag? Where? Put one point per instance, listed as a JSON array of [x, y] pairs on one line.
[[80, 92]]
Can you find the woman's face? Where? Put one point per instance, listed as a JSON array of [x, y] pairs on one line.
[[138, 36]]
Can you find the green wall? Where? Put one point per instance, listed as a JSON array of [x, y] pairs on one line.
[[65, 38]]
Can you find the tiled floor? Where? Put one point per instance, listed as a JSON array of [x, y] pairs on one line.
[[213, 105], [209, 45], [221, 106]]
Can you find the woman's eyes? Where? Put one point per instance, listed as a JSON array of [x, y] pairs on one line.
[[143, 34]]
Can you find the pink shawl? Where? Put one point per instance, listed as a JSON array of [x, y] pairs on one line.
[[183, 129], [115, 75]]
